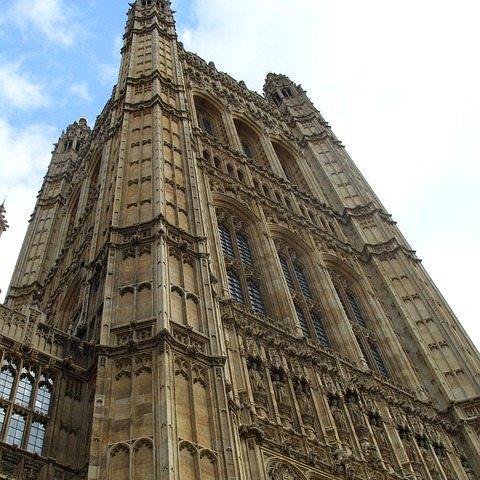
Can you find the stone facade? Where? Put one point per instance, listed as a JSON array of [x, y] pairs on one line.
[[210, 290]]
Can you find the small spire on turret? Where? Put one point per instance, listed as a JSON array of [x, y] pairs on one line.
[[3, 220]]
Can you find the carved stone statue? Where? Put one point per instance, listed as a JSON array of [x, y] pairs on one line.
[[339, 418], [279, 389], [303, 399], [357, 415], [340, 460], [256, 378]]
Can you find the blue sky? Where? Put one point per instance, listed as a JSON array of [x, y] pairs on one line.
[[398, 82]]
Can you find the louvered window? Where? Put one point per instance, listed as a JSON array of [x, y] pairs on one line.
[[356, 309], [302, 280], [320, 330], [226, 240], [302, 320], [235, 287], [378, 360], [286, 273], [244, 249], [256, 299]]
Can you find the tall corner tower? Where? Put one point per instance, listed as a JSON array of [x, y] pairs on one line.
[[210, 290]]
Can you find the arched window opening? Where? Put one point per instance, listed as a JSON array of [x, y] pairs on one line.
[[306, 310], [7, 376], [16, 429], [290, 167], [243, 279], [250, 142], [355, 314], [210, 119], [24, 389], [36, 438]]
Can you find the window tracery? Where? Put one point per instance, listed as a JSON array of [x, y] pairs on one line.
[[243, 278], [210, 119], [355, 314], [26, 396], [308, 313]]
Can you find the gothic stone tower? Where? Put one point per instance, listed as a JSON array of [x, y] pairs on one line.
[[210, 290]]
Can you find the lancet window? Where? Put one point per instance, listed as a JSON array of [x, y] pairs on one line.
[[25, 400], [307, 311], [356, 315], [291, 167], [210, 119], [243, 278], [250, 143]]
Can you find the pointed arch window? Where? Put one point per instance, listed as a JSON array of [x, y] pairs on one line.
[[26, 394], [24, 391], [353, 311], [243, 279], [307, 311], [7, 376]]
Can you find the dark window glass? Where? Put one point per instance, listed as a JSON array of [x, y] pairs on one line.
[[320, 329], [287, 93], [226, 240], [207, 125], [256, 299], [277, 99], [235, 287], [16, 429], [303, 321], [378, 360], [244, 248], [286, 272], [302, 280], [356, 309], [36, 438]]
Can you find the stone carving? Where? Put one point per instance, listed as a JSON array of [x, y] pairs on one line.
[[279, 388], [282, 471], [303, 398], [341, 460], [339, 418], [256, 377]]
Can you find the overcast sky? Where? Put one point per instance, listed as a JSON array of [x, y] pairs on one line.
[[398, 81]]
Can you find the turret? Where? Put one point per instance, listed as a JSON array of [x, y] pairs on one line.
[[46, 234]]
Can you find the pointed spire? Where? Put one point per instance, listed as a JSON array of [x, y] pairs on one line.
[[3, 221]]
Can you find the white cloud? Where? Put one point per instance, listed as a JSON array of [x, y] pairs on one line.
[[18, 91], [24, 157], [54, 18], [398, 85], [107, 73], [81, 89]]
